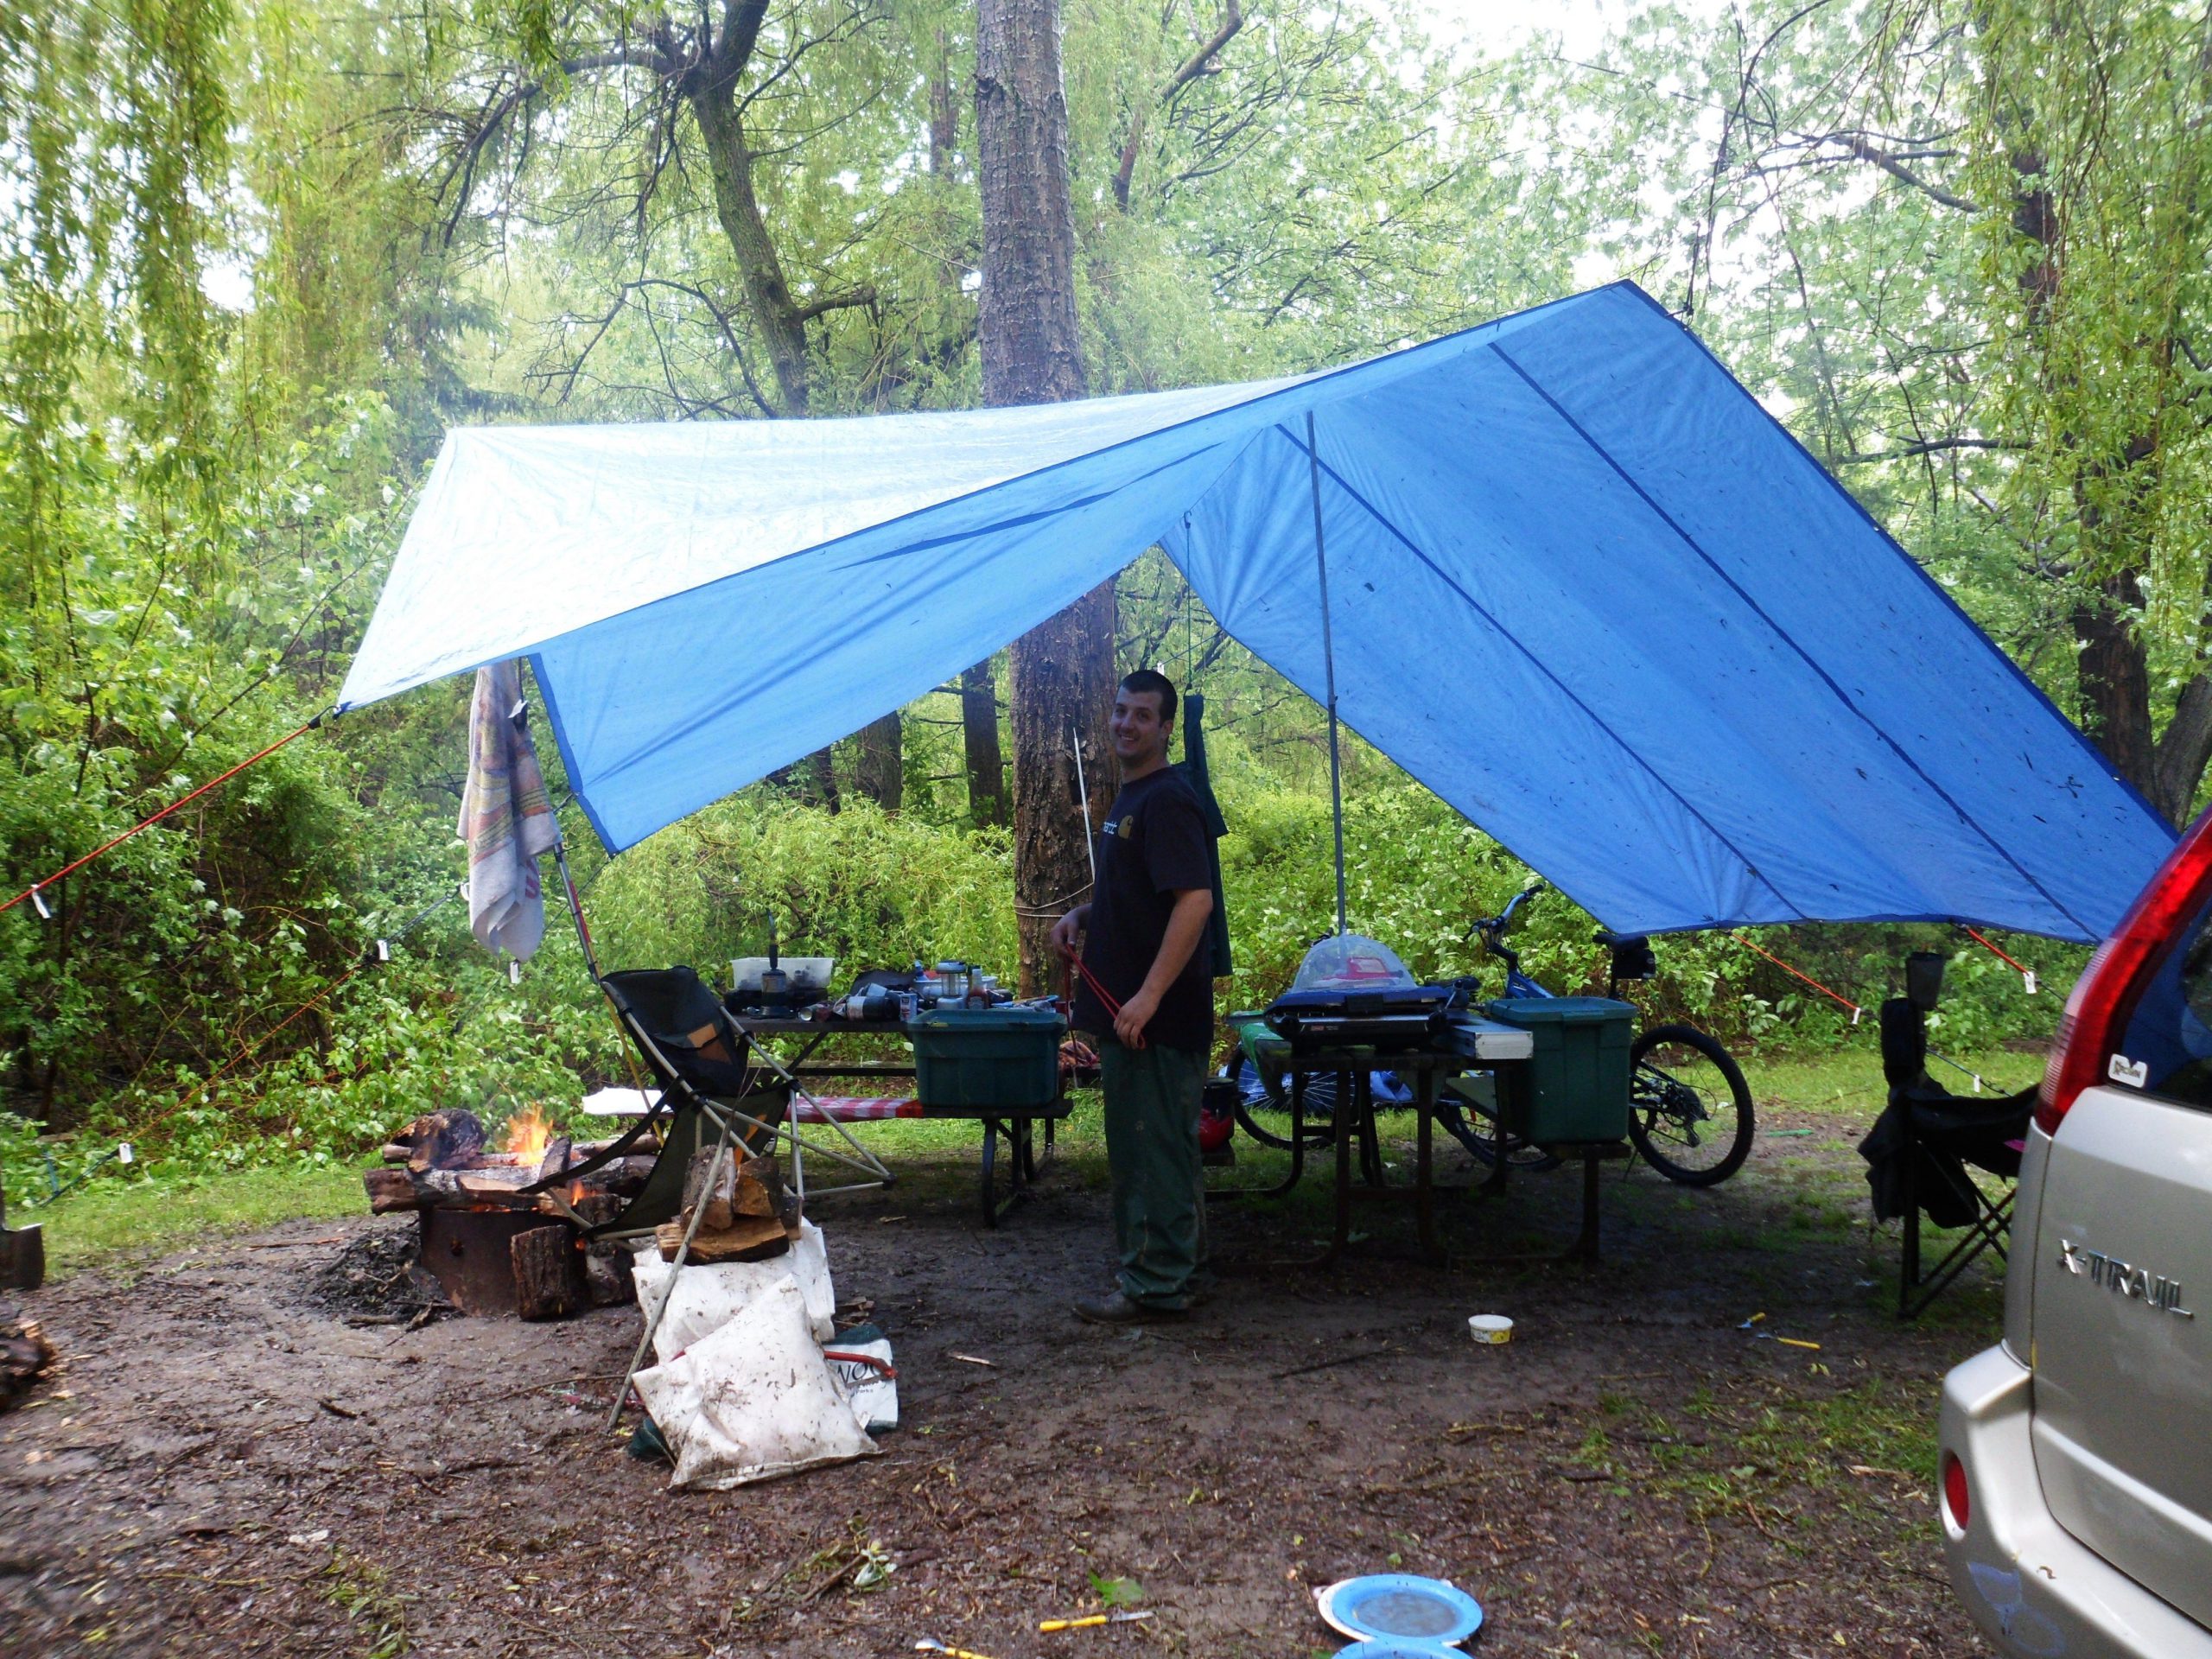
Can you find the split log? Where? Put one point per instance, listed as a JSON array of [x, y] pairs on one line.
[[25, 1357], [606, 1260], [444, 1140], [549, 1263], [749, 1238], [494, 1183], [23, 1255], [391, 1190], [749, 1186], [556, 1159]]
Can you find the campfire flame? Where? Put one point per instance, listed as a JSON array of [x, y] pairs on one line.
[[528, 1131]]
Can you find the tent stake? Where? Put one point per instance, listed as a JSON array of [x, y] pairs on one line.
[[1329, 667]]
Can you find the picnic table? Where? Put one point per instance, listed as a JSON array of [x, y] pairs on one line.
[[806, 1061], [1352, 1128]]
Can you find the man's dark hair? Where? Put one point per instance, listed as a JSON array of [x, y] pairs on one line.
[[1152, 680]]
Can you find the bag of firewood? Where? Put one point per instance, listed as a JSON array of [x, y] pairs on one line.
[[754, 1399], [709, 1296]]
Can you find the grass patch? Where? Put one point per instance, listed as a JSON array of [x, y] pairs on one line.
[[113, 1218], [1848, 1082]]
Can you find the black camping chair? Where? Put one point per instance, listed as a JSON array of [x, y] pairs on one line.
[[1922, 1150], [698, 1055]]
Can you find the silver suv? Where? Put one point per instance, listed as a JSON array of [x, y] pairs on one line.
[[2075, 1483]]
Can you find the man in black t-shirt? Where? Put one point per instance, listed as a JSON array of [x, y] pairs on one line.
[[1141, 933]]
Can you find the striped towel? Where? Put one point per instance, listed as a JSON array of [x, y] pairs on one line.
[[504, 818]]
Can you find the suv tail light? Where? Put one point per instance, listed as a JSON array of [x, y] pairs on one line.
[[2105, 997], [1954, 1490]]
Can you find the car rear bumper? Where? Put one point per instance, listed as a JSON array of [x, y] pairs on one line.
[[2036, 1591]]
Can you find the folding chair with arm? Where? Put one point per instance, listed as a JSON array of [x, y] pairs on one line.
[[1922, 1151]]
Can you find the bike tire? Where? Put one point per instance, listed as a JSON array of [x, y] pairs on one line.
[[1248, 1120], [1477, 1130], [1655, 1104]]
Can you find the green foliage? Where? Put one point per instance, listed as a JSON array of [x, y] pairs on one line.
[[254, 256], [870, 889]]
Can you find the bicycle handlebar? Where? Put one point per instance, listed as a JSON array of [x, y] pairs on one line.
[[1493, 925]]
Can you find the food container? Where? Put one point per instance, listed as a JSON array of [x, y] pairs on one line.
[[1491, 1329], [970, 1058]]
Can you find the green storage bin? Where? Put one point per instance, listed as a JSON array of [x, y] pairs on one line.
[[967, 1058], [1574, 1087]]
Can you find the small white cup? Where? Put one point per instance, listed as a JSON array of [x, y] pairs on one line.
[[1491, 1328]]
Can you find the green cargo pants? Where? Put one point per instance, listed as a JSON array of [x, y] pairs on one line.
[[1152, 1152]]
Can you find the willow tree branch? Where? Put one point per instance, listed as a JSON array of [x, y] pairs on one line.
[[1200, 62]]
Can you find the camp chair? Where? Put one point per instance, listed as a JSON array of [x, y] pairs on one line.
[[711, 1078], [1922, 1150]]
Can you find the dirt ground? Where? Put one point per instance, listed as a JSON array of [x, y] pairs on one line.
[[226, 1465]]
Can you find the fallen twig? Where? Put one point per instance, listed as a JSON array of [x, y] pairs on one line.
[[1341, 1359]]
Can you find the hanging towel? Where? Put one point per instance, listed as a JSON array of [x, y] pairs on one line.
[[505, 818]]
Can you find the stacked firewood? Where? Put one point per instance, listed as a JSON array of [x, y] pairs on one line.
[[745, 1212]]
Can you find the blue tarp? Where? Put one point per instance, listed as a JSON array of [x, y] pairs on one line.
[[1581, 585]]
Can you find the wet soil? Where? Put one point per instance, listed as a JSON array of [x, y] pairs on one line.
[[229, 1462]]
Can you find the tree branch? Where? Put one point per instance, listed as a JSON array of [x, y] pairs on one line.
[[1895, 167], [1200, 62], [1933, 446], [864, 294]]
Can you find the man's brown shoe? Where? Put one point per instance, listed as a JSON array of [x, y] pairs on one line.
[[1117, 1309]]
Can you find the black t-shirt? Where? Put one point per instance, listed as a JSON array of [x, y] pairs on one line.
[[1155, 844]]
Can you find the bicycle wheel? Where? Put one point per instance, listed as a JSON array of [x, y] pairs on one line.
[[1689, 1110], [1314, 1135], [1474, 1126]]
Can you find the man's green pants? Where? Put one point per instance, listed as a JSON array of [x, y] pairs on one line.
[[1151, 1150]]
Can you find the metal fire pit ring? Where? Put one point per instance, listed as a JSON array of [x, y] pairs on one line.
[[469, 1253]]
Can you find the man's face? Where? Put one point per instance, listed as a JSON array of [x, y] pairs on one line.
[[1139, 735]]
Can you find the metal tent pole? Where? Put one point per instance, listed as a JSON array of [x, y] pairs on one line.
[[1329, 666]]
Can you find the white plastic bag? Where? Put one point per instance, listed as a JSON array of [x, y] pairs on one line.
[[753, 1400], [708, 1296]]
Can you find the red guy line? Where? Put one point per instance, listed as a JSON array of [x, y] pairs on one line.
[[144, 824], [1834, 996]]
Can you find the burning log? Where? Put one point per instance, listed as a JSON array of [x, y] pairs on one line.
[[443, 1139], [494, 1245]]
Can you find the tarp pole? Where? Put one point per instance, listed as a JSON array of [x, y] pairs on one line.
[[1329, 668]]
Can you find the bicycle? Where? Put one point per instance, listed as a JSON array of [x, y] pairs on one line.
[[1690, 1114]]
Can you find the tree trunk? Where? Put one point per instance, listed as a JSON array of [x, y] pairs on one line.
[[2113, 673], [881, 772], [1030, 351], [1063, 687], [1062, 670], [729, 161], [979, 735], [944, 110], [821, 779]]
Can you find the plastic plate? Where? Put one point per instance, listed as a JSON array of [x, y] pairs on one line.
[[1427, 1613]]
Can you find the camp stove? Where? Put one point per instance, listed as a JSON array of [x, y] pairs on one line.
[[1400, 1017]]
